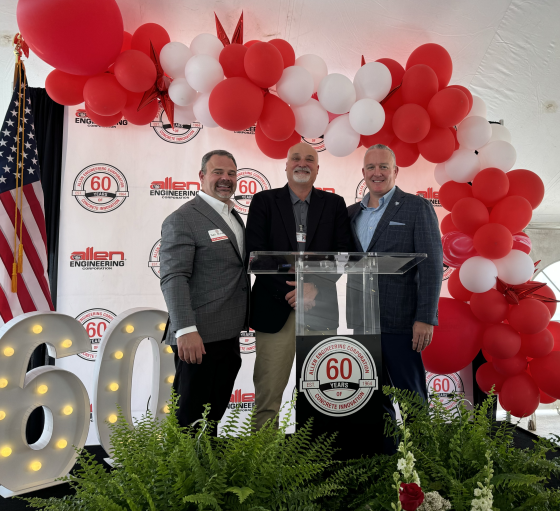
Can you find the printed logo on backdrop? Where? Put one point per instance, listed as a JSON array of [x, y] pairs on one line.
[[153, 263], [178, 134], [330, 190], [169, 189], [247, 342], [95, 321], [243, 400], [447, 271], [82, 118], [338, 377], [444, 387], [361, 190], [317, 143], [430, 195], [100, 188], [247, 131], [98, 260], [249, 182]]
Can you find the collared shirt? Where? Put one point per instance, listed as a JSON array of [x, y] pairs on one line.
[[300, 208], [367, 219]]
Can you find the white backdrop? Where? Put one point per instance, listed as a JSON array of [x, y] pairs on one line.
[[108, 247]]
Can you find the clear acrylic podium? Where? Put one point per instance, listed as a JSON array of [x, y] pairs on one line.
[[338, 338]]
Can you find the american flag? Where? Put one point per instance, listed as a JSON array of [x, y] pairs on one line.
[[33, 292]]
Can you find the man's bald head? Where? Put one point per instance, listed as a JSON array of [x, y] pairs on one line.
[[302, 165], [304, 149]]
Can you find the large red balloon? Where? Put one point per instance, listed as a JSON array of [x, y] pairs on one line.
[[526, 184], [105, 121], [277, 120], [447, 225], [545, 371], [384, 136], [142, 117], [236, 103], [520, 395], [274, 149], [411, 123], [135, 71], [457, 248], [232, 60], [514, 212], [469, 215], [456, 289], [406, 154], [438, 145], [554, 328], [435, 56], [396, 70], [263, 64], [549, 293], [451, 192], [490, 186], [419, 85], [81, 38], [529, 317], [64, 88], [456, 340], [537, 345], [522, 242], [466, 91], [493, 241], [487, 377], [546, 399], [501, 341], [286, 50], [104, 95], [149, 33], [448, 107], [510, 366], [489, 307], [127, 40]]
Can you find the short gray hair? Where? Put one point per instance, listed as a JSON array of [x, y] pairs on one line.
[[384, 148], [215, 152]]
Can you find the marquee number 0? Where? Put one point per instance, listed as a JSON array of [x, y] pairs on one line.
[[332, 367]]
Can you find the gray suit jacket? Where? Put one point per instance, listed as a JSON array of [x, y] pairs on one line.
[[204, 282]]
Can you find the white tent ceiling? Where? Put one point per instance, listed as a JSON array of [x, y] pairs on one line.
[[505, 51]]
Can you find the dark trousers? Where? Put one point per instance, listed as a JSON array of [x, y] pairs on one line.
[[210, 382]]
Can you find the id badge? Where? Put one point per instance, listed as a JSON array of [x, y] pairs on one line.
[[217, 235], [301, 237]]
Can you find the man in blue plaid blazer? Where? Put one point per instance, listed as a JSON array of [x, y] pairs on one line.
[[390, 220]]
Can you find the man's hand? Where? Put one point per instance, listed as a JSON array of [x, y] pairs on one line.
[[421, 335], [309, 294], [190, 348]]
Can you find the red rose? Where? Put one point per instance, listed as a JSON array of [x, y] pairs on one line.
[[411, 496]]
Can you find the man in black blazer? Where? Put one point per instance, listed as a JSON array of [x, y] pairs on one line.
[[297, 217]]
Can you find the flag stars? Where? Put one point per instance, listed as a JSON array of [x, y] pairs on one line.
[[24, 155], [10, 159], [36, 151], [31, 171], [31, 136], [27, 111], [14, 112], [2, 142], [29, 100], [6, 132], [9, 123], [13, 148], [28, 145], [2, 179], [34, 161], [6, 169]]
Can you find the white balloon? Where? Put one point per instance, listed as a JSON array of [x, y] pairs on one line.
[[181, 93], [478, 108], [340, 139], [462, 166], [500, 132], [336, 93], [474, 132], [366, 116], [203, 72], [373, 81], [295, 87], [184, 114], [316, 66], [202, 112], [440, 174], [207, 44], [478, 274], [515, 268], [311, 119], [173, 58], [499, 154]]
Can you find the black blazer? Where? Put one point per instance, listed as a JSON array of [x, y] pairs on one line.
[[271, 226]]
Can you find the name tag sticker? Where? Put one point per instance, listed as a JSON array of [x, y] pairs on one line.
[[217, 235], [301, 237]]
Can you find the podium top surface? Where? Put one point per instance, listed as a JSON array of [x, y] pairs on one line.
[[332, 262]]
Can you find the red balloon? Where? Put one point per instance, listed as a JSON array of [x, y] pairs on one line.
[[456, 340], [451, 192], [489, 307], [469, 215], [554, 328], [436, 57], [526, 184], [510, 366], [546, 399], [456, 289], [236, 103], [493, 241], [64, 88], [384, 136], [393, 101], [549, 293], [501, 341], [513, 212], [537, 345], [81, 38], [520, 395], [250, 43], [447, 225], [277, 120], [454, 133], [406, 154], [264, 64], [127, 40], [135, 71], [149, 33], [487, 377], [448, 107], [486, 355], [146, 115], [104, 95], [274, 149], [529, 317], [457, 248], [396, 70], [466, 91], [490, 186], [232, 60], [104, 121], [419, 85], [411, 123], [545, 371], [438, 145], [522, 242], [287, 51]]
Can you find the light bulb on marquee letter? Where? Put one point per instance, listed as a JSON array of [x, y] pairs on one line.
[[61, 444], [112, 418], [129, 329], [37, 329], [67, 410], [8, 351], [36, 466], [42, 389], [162, 326], [66, 343], [2, 415], [119, 355], [3, 383]]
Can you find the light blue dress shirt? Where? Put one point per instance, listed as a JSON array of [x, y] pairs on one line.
[[367, 219]]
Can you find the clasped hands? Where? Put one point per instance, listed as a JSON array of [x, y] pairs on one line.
[[309, 294]]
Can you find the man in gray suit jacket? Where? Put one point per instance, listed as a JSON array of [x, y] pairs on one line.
[[206, 289]]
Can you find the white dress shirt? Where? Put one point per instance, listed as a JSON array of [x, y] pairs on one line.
[[224, 209]]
